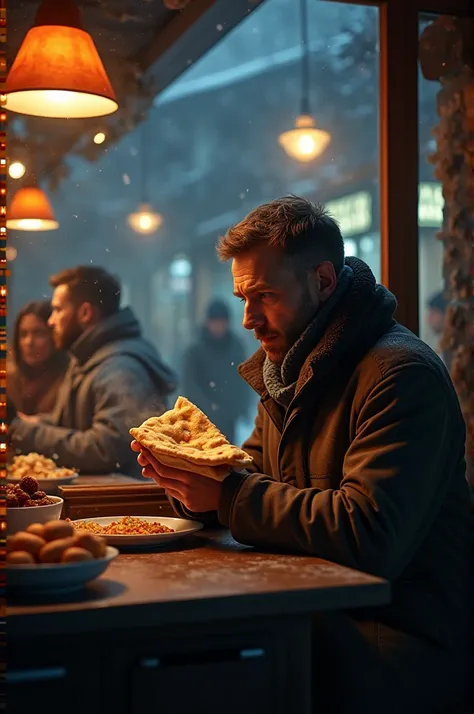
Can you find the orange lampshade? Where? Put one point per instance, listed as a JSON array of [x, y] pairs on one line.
[[57, 71], [30, 210]]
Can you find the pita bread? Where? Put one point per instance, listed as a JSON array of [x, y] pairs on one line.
[[184, 438]]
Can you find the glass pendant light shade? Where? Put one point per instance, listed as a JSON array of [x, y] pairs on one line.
[[57, 71], [304, 142], [145, 220], [30, 210]]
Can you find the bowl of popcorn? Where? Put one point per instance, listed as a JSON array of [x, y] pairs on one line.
[[48, 475], [27, 504]]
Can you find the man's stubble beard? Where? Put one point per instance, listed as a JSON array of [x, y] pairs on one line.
[[66, 339]]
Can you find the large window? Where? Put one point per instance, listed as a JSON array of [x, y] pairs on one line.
[[209, 153]]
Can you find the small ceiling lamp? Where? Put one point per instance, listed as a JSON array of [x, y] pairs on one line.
[[304, 142], [16, 170], [57, 71], [30, 210], [145, 220], [100, 137]]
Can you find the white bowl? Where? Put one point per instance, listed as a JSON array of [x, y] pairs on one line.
[[18, 519]]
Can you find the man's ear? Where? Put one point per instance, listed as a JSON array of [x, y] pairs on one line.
[[86, 313], [325, 279]]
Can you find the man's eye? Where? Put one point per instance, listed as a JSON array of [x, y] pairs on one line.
[[241, 299], [263, 296]]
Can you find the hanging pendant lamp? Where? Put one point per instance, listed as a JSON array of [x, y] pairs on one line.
[[57, 71], [144, 220], [30, 210], [304, 142]]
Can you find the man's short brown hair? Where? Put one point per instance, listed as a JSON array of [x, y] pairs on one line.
[[299, 228], [87, 283]]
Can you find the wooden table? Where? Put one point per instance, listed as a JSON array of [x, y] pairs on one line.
[[205, 626]]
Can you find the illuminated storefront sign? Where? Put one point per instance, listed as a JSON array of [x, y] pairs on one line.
[[430, 205], [353, 212]]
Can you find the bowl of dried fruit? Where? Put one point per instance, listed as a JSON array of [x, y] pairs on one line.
[[26, 504]]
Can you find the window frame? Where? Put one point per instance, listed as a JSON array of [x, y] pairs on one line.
[[399, 149]]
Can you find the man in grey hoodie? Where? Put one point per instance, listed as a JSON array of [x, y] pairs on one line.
[[116, 378]]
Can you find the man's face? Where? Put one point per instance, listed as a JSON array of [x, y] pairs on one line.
[[279, 301], [435, 319], [218, 326], [64, 321]]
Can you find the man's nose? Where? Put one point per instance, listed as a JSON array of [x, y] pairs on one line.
[[252, 319]]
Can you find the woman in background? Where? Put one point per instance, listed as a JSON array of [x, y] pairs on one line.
[[35, 368]]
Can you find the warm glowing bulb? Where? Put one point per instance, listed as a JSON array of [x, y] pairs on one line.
[[16, 170], [145, 220], [304, 142], [99, 138]]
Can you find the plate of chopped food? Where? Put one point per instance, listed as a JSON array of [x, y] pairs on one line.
[[138, 530], [48, 475]]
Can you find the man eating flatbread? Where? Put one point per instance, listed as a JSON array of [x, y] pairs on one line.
[[358, 457]]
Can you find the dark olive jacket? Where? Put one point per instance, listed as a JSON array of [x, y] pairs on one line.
[[366, 468]]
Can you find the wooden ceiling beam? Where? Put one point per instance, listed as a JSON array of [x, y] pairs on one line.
[[189, 35]]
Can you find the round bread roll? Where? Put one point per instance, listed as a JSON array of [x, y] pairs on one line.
[[76, 555], [36, 529], [53, 530], [53, 551], [27, 542], [94, 544], [20, 557]]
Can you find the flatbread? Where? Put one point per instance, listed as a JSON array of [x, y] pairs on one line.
[[184, 438]]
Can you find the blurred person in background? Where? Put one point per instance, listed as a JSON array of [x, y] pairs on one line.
[[116, 378], [210, 377], [436, 312], [435, 319], [35, 367]]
